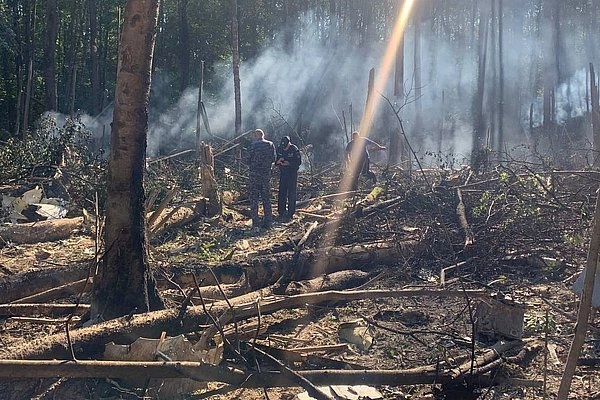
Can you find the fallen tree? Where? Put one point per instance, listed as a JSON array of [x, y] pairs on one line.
[[41, 231], [258, 272], [90, 341], [484, 361]]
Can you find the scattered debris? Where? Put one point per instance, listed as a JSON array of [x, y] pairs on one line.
[[344, 392], [176, 348], [357, 332]]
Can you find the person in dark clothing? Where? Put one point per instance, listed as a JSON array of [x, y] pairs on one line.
[[261, 156], [357, 157], [288, 160]]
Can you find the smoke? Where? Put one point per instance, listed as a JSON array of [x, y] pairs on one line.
[[307, 90]]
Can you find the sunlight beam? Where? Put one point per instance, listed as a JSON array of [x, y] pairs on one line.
[[381, 79]]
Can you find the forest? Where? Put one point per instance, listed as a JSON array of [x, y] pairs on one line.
[[467, 268]]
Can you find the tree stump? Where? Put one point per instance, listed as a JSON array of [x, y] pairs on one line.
[[210, 205]]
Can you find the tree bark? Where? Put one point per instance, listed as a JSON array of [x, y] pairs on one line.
[[125, 283]]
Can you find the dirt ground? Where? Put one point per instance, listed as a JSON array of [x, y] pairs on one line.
[[521, 260]]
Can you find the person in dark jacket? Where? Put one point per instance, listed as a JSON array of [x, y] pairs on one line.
[[357, 157], [288, 160], [261, 156]]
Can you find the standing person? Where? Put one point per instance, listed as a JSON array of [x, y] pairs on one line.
[[288, 160], [261, 156], [357, 157]]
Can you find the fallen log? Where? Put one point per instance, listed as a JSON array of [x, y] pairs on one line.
[[30, 283], [336, 280], [232, 376], [62, 291], [259, 272], [41, 231], [28, 310], [90, 340]]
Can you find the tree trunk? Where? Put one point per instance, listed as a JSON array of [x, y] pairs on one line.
[[500, 78], [549, 77], [184, 45], [125, 283], [50, 55], [595, 117], [32, 11], [417, 72], [236, 66], [479, 131], [96, 99]]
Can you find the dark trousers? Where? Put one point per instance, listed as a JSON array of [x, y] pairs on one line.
[[363, 168], [286, 198]]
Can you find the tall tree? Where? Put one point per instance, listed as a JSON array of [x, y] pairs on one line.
[[96, 98], [184, 45], [29, 58], [479, 132], [500, 76], [236, 66], [124, 283], [50, 55]]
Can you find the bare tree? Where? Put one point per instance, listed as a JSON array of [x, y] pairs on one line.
[[236, 66]]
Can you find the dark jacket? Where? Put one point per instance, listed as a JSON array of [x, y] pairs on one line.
[[291, 155]]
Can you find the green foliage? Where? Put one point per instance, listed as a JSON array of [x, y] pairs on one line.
[[56, 153], [537, 323]]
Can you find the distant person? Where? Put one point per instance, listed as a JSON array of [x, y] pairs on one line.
[[288, 160], [261, 156], [357, 157]]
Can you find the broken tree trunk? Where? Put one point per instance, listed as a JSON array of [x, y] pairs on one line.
[[41, 231], [90, 340], [462, 219], [209, 186]]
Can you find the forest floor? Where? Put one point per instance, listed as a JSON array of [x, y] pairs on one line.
[[526, 240]]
